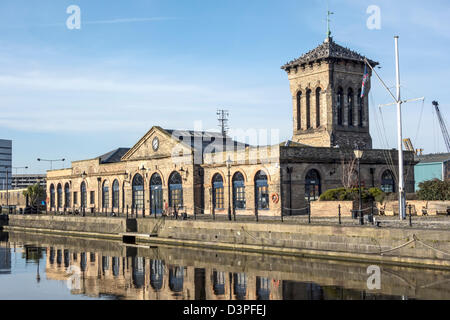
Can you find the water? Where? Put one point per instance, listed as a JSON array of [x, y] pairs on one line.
[[51, 267]]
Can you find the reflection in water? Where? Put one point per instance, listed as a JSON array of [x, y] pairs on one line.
[[173, 273]]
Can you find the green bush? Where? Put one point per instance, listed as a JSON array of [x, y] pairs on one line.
[[434, 190], [343, 194]]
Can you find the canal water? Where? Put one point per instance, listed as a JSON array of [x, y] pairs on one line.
[[51, 267]]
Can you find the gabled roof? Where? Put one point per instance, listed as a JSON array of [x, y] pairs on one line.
[[328, 50], [113, 156], [190, 138], [430, 158]]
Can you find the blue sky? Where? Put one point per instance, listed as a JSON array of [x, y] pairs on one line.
[[76, 94]]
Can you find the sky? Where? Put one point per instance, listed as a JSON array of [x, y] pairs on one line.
[[133, 64]]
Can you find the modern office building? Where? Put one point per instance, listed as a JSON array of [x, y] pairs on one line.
[[22, 181], [5, 164]]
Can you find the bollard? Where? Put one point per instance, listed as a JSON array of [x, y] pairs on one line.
[[234, 213], [282, 220], [214, 213], [410, 216], [257, 216], [339, 208], [309, 214], [361, 217]]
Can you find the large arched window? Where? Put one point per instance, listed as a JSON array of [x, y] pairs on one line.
[[218, 283], [340, 106], [156, 194], [52, 196], [218, 200], [138, 192], [83, 261], [240, 286], [308, 109], [175, 190], [105, 264], [261, 191], [176, 279], [138, 272], [60, 196], [67, 195], [318, 96], [83, 195], [388, 182], [115, 194], [156, 274], [360, 109], [312, 185], [105, 195], [262, 288], [350, 103], [115, 266], [299, 110], [239, 191]]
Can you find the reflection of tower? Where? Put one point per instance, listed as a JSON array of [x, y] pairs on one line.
[[5, 260]]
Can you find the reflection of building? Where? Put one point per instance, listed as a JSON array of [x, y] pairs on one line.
[[189, 168], [5, 259], [5, 161]]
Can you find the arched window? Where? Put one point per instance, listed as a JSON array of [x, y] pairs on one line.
[[83, 195], [175, 190], [340, 107], [299, 110], [156, 194], [240, 286], [218, 192], [59, 257], [66, 258], [115, 194], [312, 186], [52, 196], [60, 196], [156, 274], [360, 109], [115, 266], [318, 96], [308, 109], [83, 261], [52, 255], [388, 182], [105, 264], [138, 192], [138, 272], [219, 283], [67, 195], [176, 279], [105, 195], [261, 191], [263, 288], [350, 104], [239, 191]]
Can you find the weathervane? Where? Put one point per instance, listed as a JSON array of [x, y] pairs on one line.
[[329, 13]]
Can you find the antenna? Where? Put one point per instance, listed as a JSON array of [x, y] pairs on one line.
[[222, 116]]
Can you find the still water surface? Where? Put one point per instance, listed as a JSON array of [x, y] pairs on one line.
[[50, 267]]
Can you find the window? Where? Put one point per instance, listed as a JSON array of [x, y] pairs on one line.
[[83, 262], [176, 279], [75, 198], [299, 110], [60, 196], [175, 190], [138, 272], [219, 283], [240, 286], [115, 194], [156, 274], [115, 266], [308, 109], [218, 199], [67, 195], [92, 197], [261, 191], [312, 186], [263, 288], [52, 196], [156, 194], [105, 264], [239, 191], [83, 195], [318, 94], [138, 192], [340, 109], [360, 109], [350, 107], [388, 182], [105, 195]]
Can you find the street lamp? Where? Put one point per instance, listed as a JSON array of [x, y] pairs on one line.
[[51, 161], [229, 163], [359, 154]]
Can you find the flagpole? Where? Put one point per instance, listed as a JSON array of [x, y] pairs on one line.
[[401, 181]]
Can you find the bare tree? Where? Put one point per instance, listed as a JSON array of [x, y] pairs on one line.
[[348, 166]]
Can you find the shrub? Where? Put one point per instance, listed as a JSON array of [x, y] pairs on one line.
[[343, 194], [434, 190]]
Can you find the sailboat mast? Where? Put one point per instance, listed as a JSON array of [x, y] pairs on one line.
[[401, 180]]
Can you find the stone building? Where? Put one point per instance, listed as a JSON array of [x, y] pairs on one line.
[[206, 172]]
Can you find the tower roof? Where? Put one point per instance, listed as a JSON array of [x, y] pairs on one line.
[[326, 51]]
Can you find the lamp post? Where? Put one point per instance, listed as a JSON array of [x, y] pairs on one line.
[[359, 155], [229, 163], [51, 161]]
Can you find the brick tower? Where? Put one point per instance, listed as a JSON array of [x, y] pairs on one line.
[[326, 92]]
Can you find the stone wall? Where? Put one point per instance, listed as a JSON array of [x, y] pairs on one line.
[[432, 208], [331, 208]]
